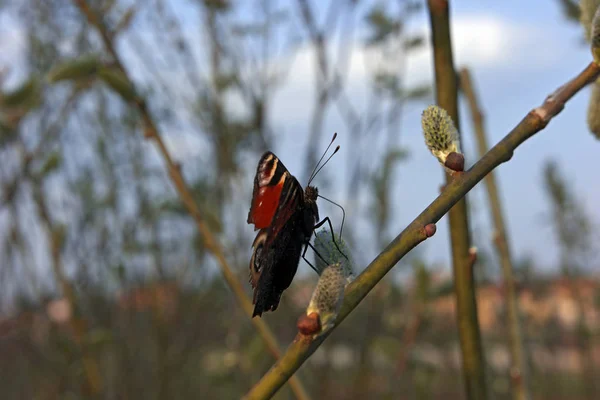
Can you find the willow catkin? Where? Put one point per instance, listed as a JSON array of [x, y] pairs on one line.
[[593, 113], [334, 263], [326, 253], [441, 136], [595, 36], [328, 296], [588, 10]]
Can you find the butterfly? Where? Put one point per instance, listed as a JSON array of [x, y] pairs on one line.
[[286, 216]]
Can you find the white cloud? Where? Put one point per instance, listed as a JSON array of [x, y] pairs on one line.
[[482, 42]]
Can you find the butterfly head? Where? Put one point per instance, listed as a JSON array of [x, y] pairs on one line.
[[310, 206], [310, 194]]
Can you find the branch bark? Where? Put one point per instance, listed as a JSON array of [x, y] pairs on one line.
[[537, 119]]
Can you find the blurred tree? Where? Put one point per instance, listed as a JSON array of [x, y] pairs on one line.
[[572, 225], [109, 215], [573, 229]]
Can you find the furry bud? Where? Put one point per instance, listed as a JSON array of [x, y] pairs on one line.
[[329, 253], [328, 295], [595, 36], [586, 16], [441, 136], [593, 114]]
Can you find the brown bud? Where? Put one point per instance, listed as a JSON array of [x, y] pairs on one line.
[[455, 161], [309, 324], [429, 230]]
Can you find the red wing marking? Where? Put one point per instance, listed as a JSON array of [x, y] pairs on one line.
[[265, 204], [291, 197]]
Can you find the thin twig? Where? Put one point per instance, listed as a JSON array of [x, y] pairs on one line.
[[415, 233], [211, 244]]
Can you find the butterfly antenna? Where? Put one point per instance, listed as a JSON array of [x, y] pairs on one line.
[[313, 173], [343, 212], [325, 163]]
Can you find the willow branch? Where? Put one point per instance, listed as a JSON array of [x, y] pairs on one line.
[[151, 131], [446, 85], [415, 233], [517, 370]]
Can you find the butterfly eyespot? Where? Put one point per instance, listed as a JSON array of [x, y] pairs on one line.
[[257, 258]]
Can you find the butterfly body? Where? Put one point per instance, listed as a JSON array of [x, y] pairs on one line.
[[285, 216]]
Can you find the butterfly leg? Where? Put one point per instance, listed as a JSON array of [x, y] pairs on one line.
[[310, 265], [316, 252], [319, 224]]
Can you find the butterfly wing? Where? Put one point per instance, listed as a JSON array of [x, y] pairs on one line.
[[257, 261], [277, 210], [273, 265], [274, 189]]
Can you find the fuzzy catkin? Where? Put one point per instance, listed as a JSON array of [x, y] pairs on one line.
[[595, 36], [328, 296], [593, 113], [588, 10], [590, 19], [328, 253], [441, 136]]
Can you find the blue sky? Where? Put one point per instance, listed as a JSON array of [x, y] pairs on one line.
[[518, 53]]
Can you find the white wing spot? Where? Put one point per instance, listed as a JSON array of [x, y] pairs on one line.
[[266, 176]]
